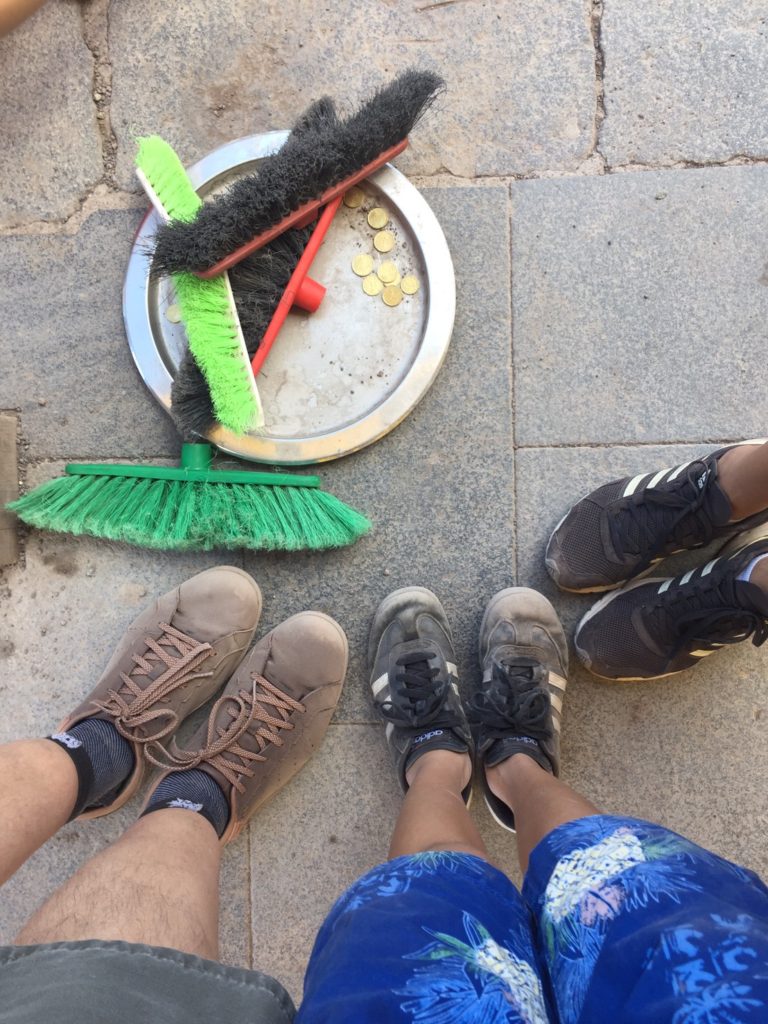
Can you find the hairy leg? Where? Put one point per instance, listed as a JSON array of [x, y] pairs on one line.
[[38, 789], [433, 815], [539, 801], [158, 884]]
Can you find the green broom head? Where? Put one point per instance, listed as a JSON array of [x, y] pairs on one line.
[[192, 507], [207, 307]]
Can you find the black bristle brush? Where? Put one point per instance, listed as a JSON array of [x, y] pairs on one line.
[[322, 151], [258, 283]]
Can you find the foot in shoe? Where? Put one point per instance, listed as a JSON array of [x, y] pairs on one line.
[[517, 707], [173, 658], [625, 527], [658, 627], [270, 718], [414, 680]]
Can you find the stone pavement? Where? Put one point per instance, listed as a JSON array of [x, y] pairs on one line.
[[601, 178]]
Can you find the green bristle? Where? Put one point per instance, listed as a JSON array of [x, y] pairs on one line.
[[190, 515], [209, 318]]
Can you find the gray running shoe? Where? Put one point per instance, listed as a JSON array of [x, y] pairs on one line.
[[624, 528], [658, 627], [414, 679], [517, 707]]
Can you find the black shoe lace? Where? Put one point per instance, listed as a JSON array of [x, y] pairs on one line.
[[418, 697], [705, 612], [515, 702], [641, 524]]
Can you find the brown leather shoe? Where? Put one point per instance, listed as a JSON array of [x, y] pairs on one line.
[[172, 659], [270, 718]]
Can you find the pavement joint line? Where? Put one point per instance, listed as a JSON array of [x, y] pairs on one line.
[[94, 18], [512, 371], [666, 443], [596, 29]]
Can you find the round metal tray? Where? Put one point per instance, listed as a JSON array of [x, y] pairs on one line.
[[340, 378]]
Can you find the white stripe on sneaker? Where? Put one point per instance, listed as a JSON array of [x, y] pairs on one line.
[[379, 685], [389, 730], [708, 567], [701, 654], [676, 473], [633, 485], [664, 586], [657, 479], [686, 578]]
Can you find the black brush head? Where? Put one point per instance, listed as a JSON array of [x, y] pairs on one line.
[[321, 151], [258, 283]]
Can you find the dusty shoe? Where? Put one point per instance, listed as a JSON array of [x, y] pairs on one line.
[[622, 529], [269, 720], [414, 679], [657, 627], [518, 705], [172, 659]]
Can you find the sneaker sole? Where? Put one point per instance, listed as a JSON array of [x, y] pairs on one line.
[[496, 818]]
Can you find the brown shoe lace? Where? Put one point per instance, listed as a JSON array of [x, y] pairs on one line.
[[245, 709], [129, 715]]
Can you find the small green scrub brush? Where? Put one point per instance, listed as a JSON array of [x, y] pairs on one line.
[[192, 507], [207, 307]]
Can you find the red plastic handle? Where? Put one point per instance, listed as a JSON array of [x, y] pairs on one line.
[[291, 293], [303, 215]]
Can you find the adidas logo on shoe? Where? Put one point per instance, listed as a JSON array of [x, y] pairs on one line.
[[428, 736]]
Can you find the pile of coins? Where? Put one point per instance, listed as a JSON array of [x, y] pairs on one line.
[[384, 280]]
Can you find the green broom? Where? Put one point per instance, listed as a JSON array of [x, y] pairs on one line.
[[192, 507], [207, 308]]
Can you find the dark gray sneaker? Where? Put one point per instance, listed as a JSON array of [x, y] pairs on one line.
[[414, 679], [622, 529], [658, 627], [518, 706]]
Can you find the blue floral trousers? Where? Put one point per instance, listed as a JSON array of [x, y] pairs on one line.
[[619, 922]]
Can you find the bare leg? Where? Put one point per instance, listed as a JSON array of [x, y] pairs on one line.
[[158, 884], [743, 475], [433, 816], [38, 789], [539, 801]]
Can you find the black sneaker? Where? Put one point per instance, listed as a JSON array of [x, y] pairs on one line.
[[624, 528], [654, 628], [518, 706], [414, 679]]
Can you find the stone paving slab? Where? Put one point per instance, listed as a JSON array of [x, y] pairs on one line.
[[640, 305], [439, 488], [690, 752], [680, 84], [520, 79], [66, 363], [51, 151], [330, 825]]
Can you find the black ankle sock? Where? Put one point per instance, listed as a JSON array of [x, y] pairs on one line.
[[103, 758], [192, 790]]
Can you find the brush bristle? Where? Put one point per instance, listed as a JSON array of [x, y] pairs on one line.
[[213, 332], [325, 151], [192, 516]]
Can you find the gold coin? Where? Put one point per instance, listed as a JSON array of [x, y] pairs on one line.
[[392, 295], [173, 314], [410, 284], [362, 264], [377, 218], [372, 285], [384, 241], [354, 197], [388, 272]]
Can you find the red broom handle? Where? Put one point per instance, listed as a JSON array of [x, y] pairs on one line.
[[302, 213], [288, 298]]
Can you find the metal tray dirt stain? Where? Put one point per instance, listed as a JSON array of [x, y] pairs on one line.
[[340, 378]]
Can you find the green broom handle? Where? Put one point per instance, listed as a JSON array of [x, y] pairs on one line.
[[195, 466]]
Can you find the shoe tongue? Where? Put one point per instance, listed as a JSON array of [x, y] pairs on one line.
[[717, 503], [752, 597]]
